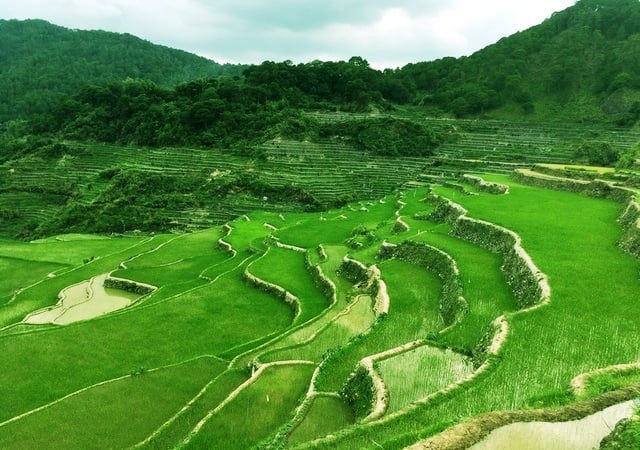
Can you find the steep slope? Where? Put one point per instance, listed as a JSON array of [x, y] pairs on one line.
[[40, 62], [586, 56]]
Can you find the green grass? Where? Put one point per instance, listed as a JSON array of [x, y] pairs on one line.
[[207, 320], [178, 248], [20, 273], [483, 284], [355, 320], [610, 381], [413, 314], [590, 322], [306, 332], [413, 375], [286, 268], [251, 233], [181, 271], [63, 250], [46, 292], [335, 227], [182, 423], [203, 309], [116, 414], [325, 415], [258, 410]]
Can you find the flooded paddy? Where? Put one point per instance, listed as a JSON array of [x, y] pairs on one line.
[[83, 301], [583, 434]]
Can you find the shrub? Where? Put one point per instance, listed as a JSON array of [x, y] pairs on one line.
[[597, 153], [359, 393]]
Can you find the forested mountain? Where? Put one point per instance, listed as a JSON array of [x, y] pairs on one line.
[[236, 114], [110, 106], [40, 63], [581, 64]]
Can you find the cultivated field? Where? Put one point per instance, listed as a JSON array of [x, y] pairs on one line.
[[380, 324]]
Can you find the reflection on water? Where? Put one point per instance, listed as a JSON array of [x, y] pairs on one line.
[[584, 434]]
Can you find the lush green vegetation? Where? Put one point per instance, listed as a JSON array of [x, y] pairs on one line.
[[153, 149], [326, 414], [210, 340], [257, 410], [626, 434], [42, 63], [579, 57], [583, 56], [342, 304]]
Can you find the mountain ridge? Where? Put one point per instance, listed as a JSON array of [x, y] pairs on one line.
[[580, 65], [40, 63], [565, 91]]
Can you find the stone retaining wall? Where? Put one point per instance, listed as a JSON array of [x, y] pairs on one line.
[[630, 221], [128, 285], [224, 245], [486, 186], [322, 253], [326, 286], [400, 226], [275, 290], [353, 270], [453, 306], [369, 280], [529, 284], [279, 244]]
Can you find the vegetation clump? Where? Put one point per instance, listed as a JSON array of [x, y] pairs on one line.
[[361, 237], [359, 392], [625, 435], [452, 305], [128, 285], [597, 153]]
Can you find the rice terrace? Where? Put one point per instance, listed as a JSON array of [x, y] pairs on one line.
[[386, 320], [230, 263]]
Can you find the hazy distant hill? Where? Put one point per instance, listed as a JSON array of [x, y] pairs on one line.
[[41, 62]]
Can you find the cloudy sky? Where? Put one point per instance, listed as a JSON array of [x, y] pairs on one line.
[[385, 32]]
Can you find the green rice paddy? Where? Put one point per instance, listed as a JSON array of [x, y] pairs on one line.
[[209, 360]]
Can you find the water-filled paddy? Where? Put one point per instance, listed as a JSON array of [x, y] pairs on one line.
[[584, 434], [83, 301]]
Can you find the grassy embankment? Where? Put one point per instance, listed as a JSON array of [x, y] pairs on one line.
[[572, 239], [204, 314]]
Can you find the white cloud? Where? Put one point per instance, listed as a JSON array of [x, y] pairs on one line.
[[386, 33]]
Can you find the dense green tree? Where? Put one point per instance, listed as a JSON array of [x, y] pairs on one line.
[[41, 63], [630, 159], [597, 153], [587, 51], [587, 54]]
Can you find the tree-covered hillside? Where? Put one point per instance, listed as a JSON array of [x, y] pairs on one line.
[[581, 64], [99, 114], [237, 114], [41, 62]]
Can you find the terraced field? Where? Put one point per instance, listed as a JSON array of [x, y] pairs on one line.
[[390, 322], [35, 189]]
